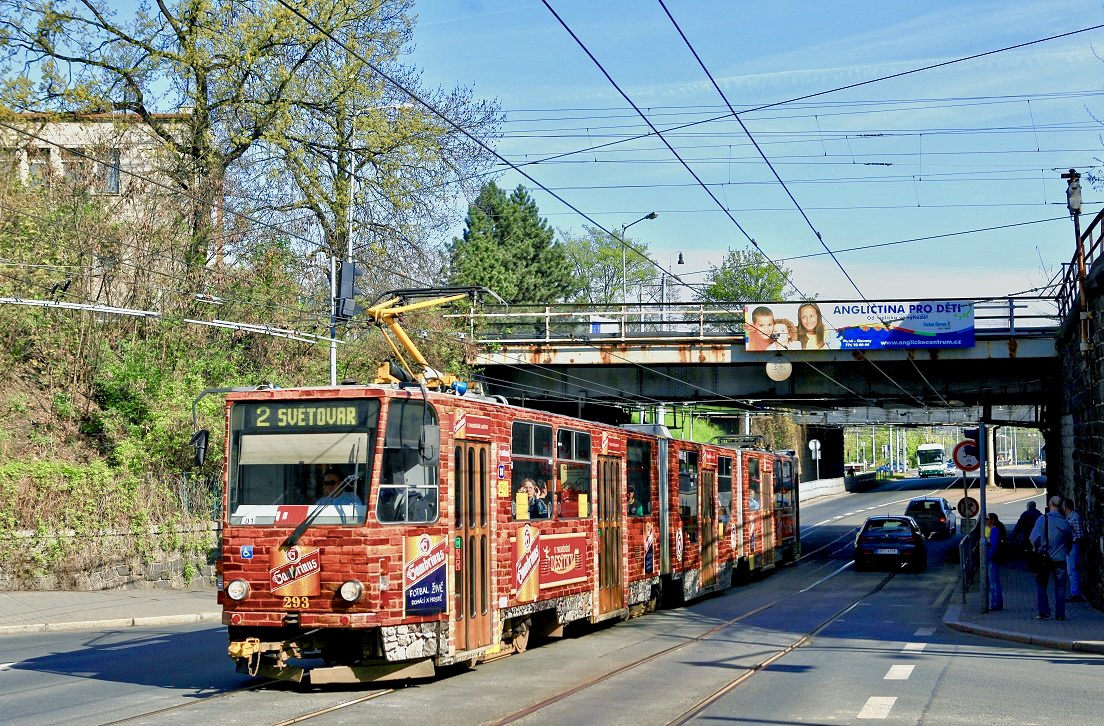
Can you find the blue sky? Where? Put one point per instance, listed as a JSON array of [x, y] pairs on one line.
[[972, 145]]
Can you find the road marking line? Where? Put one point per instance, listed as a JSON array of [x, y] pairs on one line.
[[818, 524], [849, 514], [914, 647], [924, 632], [877, 707], [899, 673]]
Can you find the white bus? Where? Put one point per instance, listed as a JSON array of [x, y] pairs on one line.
[[929, 460]]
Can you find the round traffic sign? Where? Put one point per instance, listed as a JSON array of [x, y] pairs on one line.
[[814, 445], [968, 507], [965, 455]]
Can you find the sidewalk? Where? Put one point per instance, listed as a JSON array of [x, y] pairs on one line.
[[36, 612], [1083, 629]]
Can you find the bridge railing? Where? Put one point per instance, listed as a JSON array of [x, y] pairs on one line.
[[721, 323], [1069, 289]]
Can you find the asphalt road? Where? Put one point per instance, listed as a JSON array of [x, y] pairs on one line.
[[814, 642]]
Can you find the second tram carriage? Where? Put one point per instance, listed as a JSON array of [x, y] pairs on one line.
[[459, 525]]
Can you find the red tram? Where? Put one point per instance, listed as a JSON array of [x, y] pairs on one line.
[[454, 526]]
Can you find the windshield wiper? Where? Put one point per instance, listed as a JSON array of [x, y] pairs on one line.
[[293, 538]]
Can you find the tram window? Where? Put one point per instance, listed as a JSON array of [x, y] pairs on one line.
[[688, 483], [640, 477], [755, 485], [530, 439], [531, 489], [724, 486], [458, 471], [408, 485], [573, 458], [270, 471], [785, 483], [779, 490]]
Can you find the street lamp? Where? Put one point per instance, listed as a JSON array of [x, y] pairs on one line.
[[624, 262], [663, 284]]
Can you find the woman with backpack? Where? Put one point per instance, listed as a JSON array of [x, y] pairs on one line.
[[996, 551]]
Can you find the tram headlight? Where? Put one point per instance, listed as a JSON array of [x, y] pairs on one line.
[[237, 590], [350, 590]]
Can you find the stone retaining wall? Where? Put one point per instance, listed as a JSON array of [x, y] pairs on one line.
[[111, 568], [1075, 430]]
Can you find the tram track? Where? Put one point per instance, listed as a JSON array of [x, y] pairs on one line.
[[832, 547], [720, 693], [192, 704], [605, 677]]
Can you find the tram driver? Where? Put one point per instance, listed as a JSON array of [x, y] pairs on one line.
[[332, 492]]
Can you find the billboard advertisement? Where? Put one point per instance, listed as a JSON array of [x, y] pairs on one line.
[[859, 325]]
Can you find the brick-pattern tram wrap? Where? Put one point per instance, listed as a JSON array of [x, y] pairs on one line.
[[461, 525]]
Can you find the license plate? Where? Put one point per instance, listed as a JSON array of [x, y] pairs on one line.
[[886, 552]]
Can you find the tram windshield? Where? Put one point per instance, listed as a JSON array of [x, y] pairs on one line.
[[290, 458]]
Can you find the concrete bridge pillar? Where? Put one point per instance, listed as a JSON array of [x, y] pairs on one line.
[[991, 456]]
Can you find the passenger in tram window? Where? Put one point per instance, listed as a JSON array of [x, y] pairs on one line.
[[538, 506], [759, 330], [784, 336], [538, 500], [635, 508]]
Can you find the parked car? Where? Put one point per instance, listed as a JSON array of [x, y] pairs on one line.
[[951, 465], [890, 541], [935, 515]]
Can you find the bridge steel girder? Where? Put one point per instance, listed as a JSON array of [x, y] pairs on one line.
[[997, 371]]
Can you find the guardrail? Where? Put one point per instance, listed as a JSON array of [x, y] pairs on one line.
[[865, 481], [969, 556], [704, 321]]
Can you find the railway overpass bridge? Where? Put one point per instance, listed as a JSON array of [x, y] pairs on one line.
[[598, 361]]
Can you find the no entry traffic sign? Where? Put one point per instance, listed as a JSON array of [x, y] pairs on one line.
[[965, 455]]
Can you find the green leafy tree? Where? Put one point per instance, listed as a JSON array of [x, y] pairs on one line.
[[595, 259], [508, 248], [279, 117], [745, 276]]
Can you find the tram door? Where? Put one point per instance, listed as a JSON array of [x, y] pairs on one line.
[[472, 572], [768, 522], [708, 488], [610, 503]]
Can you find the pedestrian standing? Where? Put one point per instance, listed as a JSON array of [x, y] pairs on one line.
[[997, 539], [1073, 559], [1052, 535], [1021, 533]]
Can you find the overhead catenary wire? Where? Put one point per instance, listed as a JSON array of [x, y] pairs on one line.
[[829, 91], [685, 165]]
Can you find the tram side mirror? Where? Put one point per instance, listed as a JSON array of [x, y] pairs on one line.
[[429, 445], [199, 447]]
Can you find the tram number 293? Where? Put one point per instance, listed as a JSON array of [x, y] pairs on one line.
[[297, 602]]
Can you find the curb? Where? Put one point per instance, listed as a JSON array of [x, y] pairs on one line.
[[951, 620], [111, 623]]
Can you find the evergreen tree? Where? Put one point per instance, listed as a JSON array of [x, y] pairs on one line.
[[508, 248]]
